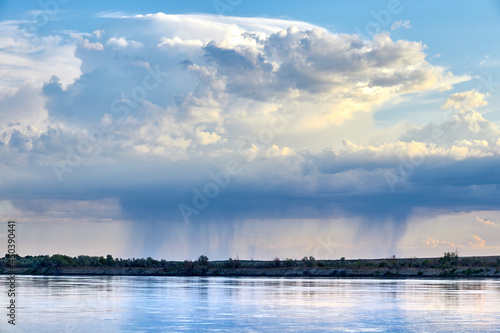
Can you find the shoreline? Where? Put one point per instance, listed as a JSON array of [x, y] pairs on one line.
[[460, 272], [444, 267]]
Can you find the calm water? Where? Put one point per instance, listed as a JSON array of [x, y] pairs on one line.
[[173, 304]]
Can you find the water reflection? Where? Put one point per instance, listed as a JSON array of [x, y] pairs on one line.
[[193, 304]]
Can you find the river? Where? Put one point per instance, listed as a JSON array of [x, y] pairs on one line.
[[222, 304]]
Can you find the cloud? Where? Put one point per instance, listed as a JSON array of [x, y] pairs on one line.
[[419, 150], [465, 100], [275, 151], [477, 241], [122, 42], [92, 46], [167, 101], [206, 138], [485, 221], [25, 58], [465, 134], [238, 68], [221, 68], [484, 61], [111, 14], [400, 24], [22, 107], [341, 72], [176, 41], [429, 241], [473, 242], [465, 125]]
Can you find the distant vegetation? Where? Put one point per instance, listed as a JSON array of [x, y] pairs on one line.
[[59, 260], [449, 263]]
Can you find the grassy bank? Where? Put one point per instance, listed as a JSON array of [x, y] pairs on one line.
[[450, 265]]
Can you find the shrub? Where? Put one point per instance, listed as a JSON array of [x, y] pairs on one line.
[[188, 266], [233, 263]]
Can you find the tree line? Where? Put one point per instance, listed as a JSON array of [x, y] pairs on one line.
[[449, 259]]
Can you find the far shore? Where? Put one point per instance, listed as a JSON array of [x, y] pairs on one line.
[[448, 266]]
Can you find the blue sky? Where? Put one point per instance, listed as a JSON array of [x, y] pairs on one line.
[[251, 128]]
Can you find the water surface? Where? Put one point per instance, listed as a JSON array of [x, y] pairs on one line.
[[219, 304]]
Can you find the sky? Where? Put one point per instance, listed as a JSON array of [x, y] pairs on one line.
[[250, 129]]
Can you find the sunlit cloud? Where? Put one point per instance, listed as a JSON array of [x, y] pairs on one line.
[[477, 241], [485, 221]]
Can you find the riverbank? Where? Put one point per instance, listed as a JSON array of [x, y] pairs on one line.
[[265, 272], [307, 267]]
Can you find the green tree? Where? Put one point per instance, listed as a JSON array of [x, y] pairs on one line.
[[202, 261], [277, 262], [110, 262], [450, 258]]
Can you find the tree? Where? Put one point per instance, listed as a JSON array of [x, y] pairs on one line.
[[277, 262], [203, 261], [289, 262], [110, 262], [309, 262], [59, 260], [449, 257]]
